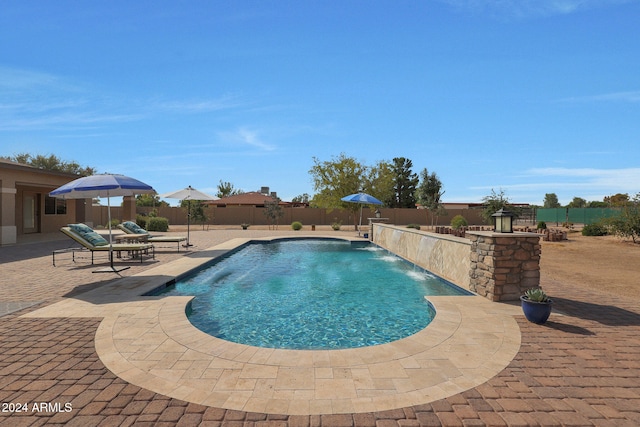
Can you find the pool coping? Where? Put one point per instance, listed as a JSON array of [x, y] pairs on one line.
[[148, 341]]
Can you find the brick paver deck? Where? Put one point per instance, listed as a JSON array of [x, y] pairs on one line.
[[580, 369]]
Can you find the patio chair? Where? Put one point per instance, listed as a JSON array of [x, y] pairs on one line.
[[132, 228], [93, 242]]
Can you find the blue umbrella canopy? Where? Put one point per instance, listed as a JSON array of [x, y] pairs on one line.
[[361, 198], [364, 199], [103, 185]]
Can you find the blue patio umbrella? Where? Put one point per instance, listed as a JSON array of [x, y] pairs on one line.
[[363, 199], [104, 186]]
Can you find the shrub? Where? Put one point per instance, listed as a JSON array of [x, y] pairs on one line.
[[296, 225], [157, 223], [458, 221], [114, 223], [416, 226], [141, 220], [595, 229], [541, 225], [336, 225]]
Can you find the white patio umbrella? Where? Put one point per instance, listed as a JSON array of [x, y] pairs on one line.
[[103, 185], [188, 194], [363, 199]]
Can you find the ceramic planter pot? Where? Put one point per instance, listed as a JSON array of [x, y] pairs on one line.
[[536, 312]]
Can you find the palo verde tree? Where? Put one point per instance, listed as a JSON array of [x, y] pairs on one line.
[[429, 193]]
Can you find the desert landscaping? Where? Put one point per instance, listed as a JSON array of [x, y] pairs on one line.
[[604, 263]]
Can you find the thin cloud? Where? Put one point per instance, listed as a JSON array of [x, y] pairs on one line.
[[625, 178], [248, 137], [588, 183], [33, 100], [631, 96], [202, 106], [529, 8]]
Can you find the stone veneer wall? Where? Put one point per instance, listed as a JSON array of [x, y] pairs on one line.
[[503, 266], [498, 266], [444, 255]]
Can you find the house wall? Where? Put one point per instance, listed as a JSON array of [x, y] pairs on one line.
[[20, 181]]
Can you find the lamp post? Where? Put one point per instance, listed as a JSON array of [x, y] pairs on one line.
[[504, 221]]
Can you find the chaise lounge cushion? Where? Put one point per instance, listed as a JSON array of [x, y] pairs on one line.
[[88, 234], [134, 228]]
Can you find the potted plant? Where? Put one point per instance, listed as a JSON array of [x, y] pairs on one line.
[[536, 305], [244, 225]]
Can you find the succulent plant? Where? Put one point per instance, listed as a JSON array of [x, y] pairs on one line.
[[536, 294]]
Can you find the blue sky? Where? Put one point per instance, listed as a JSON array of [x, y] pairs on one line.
[[530, 97]]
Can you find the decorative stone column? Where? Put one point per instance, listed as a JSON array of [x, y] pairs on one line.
[[504, 265]]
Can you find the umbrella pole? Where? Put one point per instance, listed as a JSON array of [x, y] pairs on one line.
[[188, 222], [110, 269], [110, 237]]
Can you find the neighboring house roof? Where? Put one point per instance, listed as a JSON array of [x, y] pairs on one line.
[[252, 198], [9, 164]]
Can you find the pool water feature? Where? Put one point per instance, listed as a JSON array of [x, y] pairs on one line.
[[311, 294]]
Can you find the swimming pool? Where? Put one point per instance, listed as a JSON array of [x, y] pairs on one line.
[[311, 294]]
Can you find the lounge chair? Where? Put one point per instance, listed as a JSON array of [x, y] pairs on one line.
[[92, 241], [132, 228]]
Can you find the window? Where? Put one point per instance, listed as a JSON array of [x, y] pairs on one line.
[[53, 206]]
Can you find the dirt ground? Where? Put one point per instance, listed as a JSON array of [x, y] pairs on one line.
[[605, 263]]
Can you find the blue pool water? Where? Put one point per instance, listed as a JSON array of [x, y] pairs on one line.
[[311, 294]]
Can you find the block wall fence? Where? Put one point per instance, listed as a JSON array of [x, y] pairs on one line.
[[497, 266], [236, 215]]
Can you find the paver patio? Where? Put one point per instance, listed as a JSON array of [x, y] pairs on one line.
[[581, 368]]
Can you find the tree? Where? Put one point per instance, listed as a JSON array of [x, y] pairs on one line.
[[380, 181], [404, 184], [627, 225], [551, 201], [494, 203], [226, 189], [341, 177], [336, 178], [617, 200], [152, 200], [597, 204], [577, 202], [429, 193], [51, 163], [273, 211], [196, 208], [302, 198]]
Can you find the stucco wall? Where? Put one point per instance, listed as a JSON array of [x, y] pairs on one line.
[[444, 255]]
